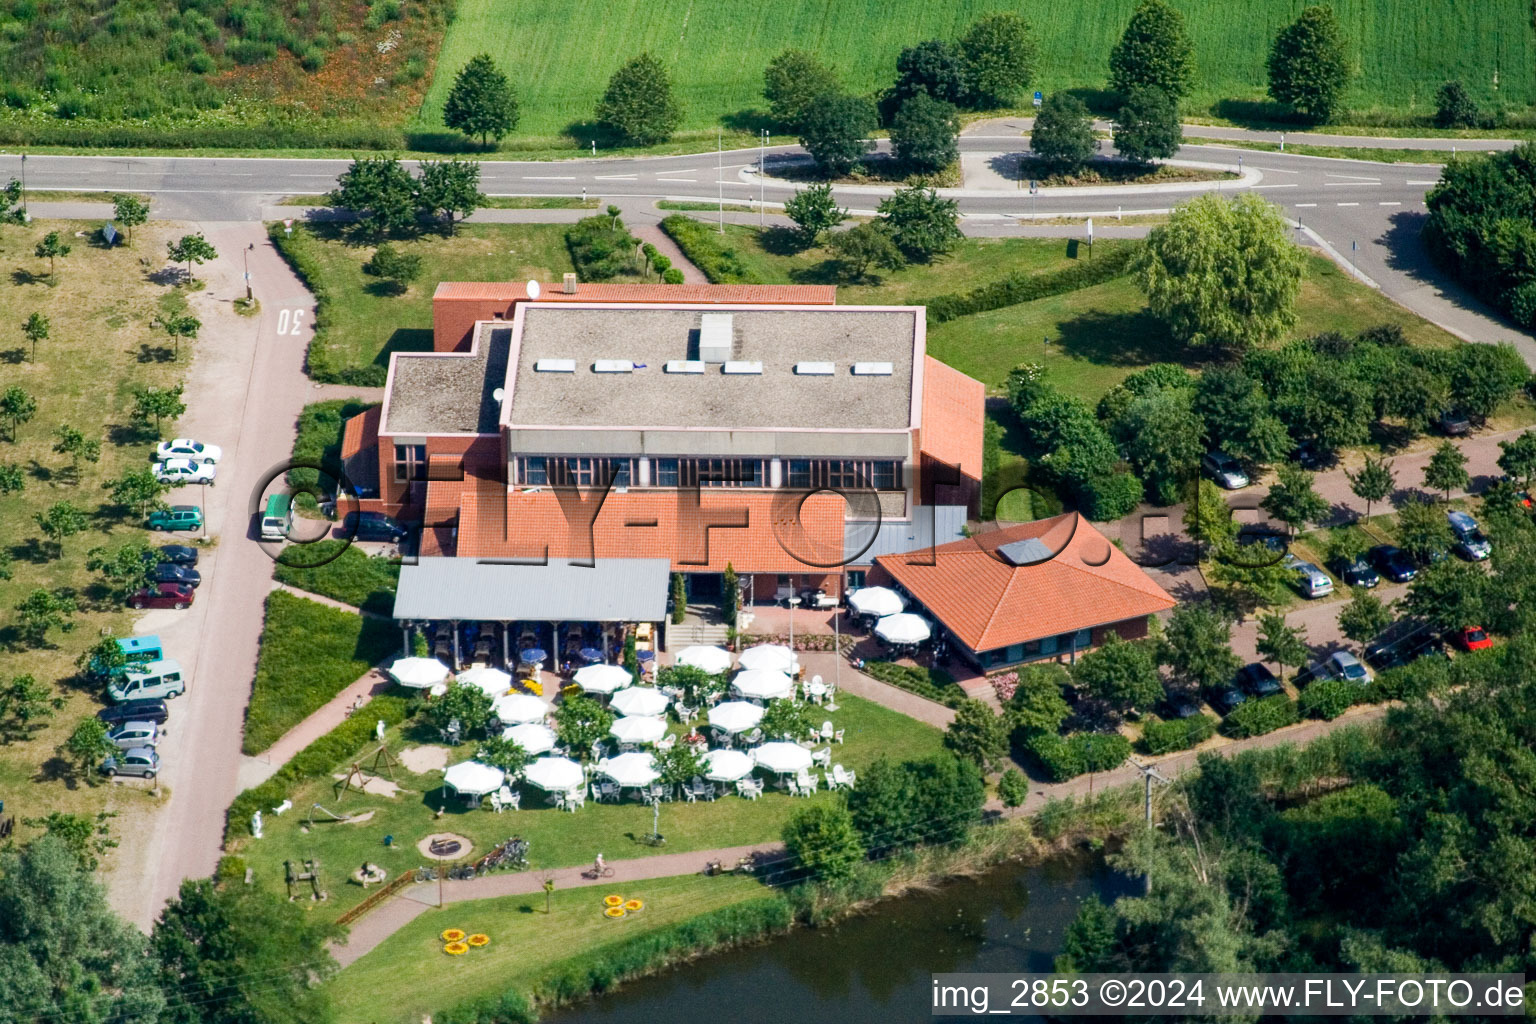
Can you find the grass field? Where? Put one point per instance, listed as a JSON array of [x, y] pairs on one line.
[[1433, 157], [409, 975], [560, 54], [353, 577]]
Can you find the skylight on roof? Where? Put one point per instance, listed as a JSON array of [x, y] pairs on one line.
[[555, 366], [814, 369], [684, 366], [742, 366], [872, 369], [613, 366]]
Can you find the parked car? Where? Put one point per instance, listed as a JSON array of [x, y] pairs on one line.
[[1179, 705], [373, 526], [1310, 580], [1227, 699], [130, 735], [1355, 572], [1473, 638], [1345, 666], [1225, 470], [178, 554], [185, 471], [186, 448], [1400, 651], [169, 572], [1311, 457], [177, 517], [141, 761], [155, 710], [158, 679], [1470, 541], [1393, 563], [1257, 679], [162, 595], [1271, 539], [1452, 423]]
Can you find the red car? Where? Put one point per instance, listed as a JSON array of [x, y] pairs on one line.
[[163, 595], [1474, 638]]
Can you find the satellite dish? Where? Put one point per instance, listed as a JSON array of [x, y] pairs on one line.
[[533, 289], [499, 394]]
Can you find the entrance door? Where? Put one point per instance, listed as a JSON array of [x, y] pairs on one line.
[[704, 587]]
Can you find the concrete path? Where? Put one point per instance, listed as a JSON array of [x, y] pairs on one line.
[[258, 768], [329, 602], [833, 668], [668, 248]]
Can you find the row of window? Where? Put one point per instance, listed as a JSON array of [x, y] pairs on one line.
[[1043, 648], [584, 471]]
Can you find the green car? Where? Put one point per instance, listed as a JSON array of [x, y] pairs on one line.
[[177, 517]]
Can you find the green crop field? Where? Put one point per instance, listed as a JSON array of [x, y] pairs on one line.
[[560, 53]]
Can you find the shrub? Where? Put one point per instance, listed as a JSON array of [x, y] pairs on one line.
[[1018, 288], [320, 362], [319, 441], [932, 800], [1328, 698], [1012, 788], [601, 248], [1159, 737], [352, 577], [1065, 757], [823, 842], [935, 684], [707, 250], [1111, 497], [1257, 717]]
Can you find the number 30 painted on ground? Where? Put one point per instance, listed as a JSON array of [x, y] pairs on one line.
[[290, 321]]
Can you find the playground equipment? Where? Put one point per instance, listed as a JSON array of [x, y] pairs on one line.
[[310, 874], [383, 765]]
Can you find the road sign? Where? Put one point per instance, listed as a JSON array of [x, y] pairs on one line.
[[109, 233], [1039, 97]]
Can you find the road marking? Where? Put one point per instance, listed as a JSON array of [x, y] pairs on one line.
[[611, 177], [1330, 174], [1389, 204], [681, 170], [1346, 204], [1273, 170], [689, 180], [1305, 204], [311, 175], [549, 177], [1423, 183], [1350, 184], [1291, 185]]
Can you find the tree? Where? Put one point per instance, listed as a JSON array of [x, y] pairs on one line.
[[500, 752], [12, 481], [241, 955], [1207, 516], [103, 659], [1063, 134], [128, 568], [793, 83], [1292, 498], [193, 250], [41, 611], [977, 734], [52, 248], [1236, 409], [1147, 127], [1455, 107], [921, 224], [1364, 617], [1372, 483], [1422, 528], [932, 800], [638, 105], [1197, 645], [1120, 671], [631, 657], [863, 246], [1037, 704], [730, 595], [1161, 438], [697, 686], [68, 956], [380, 192], [86, 837], [1222, 274], [835, 131], [581, 722], [999, 57], [1089, 941], [1309, 65], [1012, 788], [482, 101], [925, 134], [398, 269], [60, 521], [1153, 51], [1483, 377], [1447, 470], [786, 719], [88, 745], [933, 67], [679, 598], [11, 210], [1452, 595], [823, 843], [18, 406], [71, 442], [1517, 456], [470, 706], [814, 211], [1281, 643], [663, 264], [129, 211], [36, 329], [158, 403], [177, 326], [449, 186], [25, 704]]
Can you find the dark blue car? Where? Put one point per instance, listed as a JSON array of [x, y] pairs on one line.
[[1393, 563]]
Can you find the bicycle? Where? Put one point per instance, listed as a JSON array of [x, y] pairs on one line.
[[594, 874]]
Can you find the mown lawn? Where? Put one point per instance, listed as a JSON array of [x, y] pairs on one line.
[[409, 975], [309, 653], [352, 576]]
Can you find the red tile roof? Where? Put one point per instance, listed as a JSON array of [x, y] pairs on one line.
[[954, 408], [988, 603], [517, 291], [360, 449]]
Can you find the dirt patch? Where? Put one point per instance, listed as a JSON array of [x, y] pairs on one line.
[[448, 851], [358, 819], [424, 759], [373, 784]]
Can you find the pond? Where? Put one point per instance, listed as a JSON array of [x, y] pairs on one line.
[[875, 968]]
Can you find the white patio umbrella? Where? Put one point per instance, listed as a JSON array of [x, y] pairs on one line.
[[638, 729], [493, 681], [782, 757], [632, 769], [471, 778], [519, 708], [602, 678], [533, 738], [735, 716], [418, 673], [639, 700], [876, 601], [762, 684], [727, 765], [710, 659], [554, 774], [771, 657], [905, 628]]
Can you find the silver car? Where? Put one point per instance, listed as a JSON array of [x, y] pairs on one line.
[[131, 735], [1471, 543], [140, 761], [1345, 666], [1225, 470]]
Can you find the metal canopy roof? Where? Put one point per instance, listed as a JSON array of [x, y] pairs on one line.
[[612, 590]]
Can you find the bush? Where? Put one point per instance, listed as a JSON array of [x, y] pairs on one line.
[[1328, 698], [320, 362], [1455, 107], [1012, 788], [601, 248], [1482, 227], [1257, 717], [1111, 497], [1064, 757], [822, 842], [935, 684], [707, 250], [1159, 737], [1018, 288], [352, 577]]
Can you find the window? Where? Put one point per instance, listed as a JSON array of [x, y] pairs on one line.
[[799, 474], [1048, 645], [533, 471], [722, 473], [884, 476], [855, 578], [410, 462], [1015, 653], [664, 472]]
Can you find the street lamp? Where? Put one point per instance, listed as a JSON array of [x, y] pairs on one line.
[[247, 255], [762, 172]]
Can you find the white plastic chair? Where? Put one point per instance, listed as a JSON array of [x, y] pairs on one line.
[[840, 777], [815, 735], [837, 737], [822, 757], [826, 728], [805, 784]]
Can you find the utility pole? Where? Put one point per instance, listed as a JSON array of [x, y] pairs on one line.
[[720, 175], [247, 254], [762, 172], [1148, 773]]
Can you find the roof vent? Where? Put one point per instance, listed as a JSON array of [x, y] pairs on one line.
[[555, 366], [613, 366], [716, 337], [872, 369], [742, 366], [568, 284], [815, 369], [1029, 551], [684, 366]]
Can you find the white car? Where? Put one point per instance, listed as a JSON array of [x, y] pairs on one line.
[[185, 471], [186, 448]]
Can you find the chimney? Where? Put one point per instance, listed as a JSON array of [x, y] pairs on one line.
[[569, 284]]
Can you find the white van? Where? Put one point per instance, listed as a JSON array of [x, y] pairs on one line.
[[277, 517], [161, 679]]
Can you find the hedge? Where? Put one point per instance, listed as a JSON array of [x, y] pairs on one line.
[[1257, 717], [85, 134], [315, 761], [352, 577], [707, 250], [320, 363], [935, 684], [1016, 288], [1159, 737], [601, 248], [1066, 757], [1328, 698]]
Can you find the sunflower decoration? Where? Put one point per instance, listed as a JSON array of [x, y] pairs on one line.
[[455, 949], [614, 912], [613, 901], [453, 935], [633, 905], [478, 939]]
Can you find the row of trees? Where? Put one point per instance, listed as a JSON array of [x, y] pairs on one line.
[[914, 225], [1482, 228], [389, 202]]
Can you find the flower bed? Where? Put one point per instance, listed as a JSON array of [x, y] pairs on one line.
[[803, 641]]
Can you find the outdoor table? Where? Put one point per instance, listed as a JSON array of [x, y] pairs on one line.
[[533, 655], [816, 688], [591, 654]]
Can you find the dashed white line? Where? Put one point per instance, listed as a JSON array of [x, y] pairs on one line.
[[689, 180], [613, 177], [1346, 204], [1305, 204], [1389, 204], [549, 177], [1291, 185], [1273, 170], [1423, 183], [1350, 184], [1357, 177]]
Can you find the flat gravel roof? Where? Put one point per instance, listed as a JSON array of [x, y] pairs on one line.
[[451, 393]]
